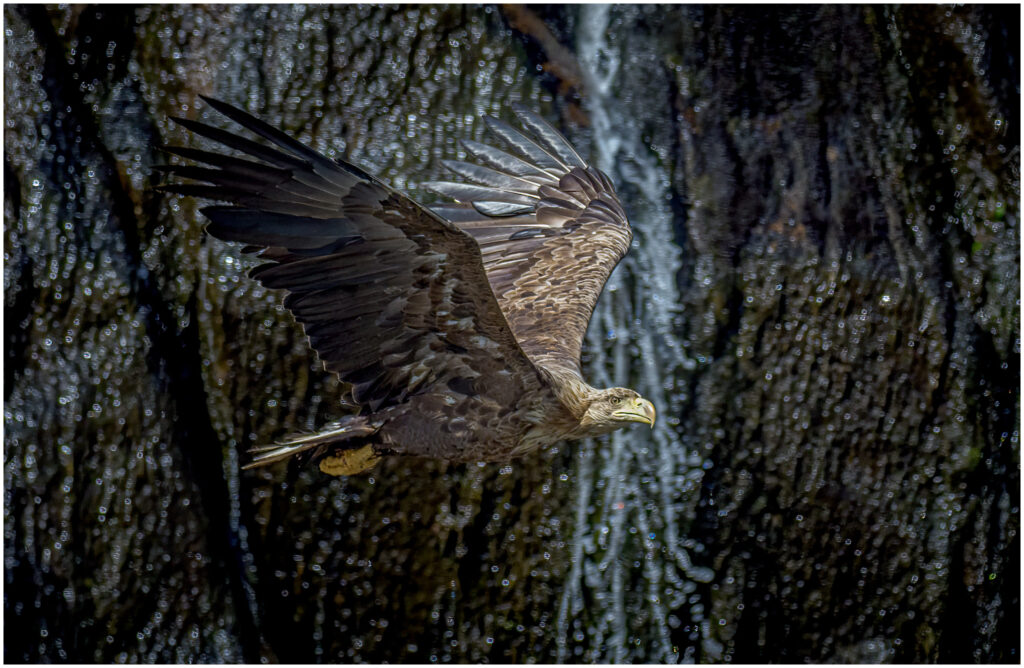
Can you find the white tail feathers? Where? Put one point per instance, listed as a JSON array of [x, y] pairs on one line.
[[343, 430]]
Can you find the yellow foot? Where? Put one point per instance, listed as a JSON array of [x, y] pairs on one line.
[[350, 462]]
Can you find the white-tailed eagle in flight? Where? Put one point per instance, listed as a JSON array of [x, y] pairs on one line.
[[457, 328]]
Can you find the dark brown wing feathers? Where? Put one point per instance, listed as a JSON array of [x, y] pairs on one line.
[[399, 300], [550, 229], [394, 299]]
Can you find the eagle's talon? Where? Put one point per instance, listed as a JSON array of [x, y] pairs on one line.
[[350, 462]]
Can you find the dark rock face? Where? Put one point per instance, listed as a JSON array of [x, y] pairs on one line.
[[823, 300]]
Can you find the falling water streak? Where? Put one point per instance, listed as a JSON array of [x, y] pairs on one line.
[[572, 591], [619, 151]]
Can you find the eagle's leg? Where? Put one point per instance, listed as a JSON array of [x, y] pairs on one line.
[[350, 461]]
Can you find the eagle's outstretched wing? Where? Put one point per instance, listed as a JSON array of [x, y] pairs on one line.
[[394, 299], [550, 228]]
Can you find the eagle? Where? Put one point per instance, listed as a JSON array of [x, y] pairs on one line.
[[455, 328]]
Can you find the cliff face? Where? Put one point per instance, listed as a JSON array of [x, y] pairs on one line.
[[823, 300]]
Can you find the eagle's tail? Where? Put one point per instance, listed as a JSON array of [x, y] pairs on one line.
[[356, 456]]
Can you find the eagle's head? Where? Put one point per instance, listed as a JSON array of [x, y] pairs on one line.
[[614, 408]]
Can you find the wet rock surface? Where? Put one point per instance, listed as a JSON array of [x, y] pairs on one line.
[[822, 299]]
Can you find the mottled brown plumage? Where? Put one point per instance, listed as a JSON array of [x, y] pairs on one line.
[[458, 328]]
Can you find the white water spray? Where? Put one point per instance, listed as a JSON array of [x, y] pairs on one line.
[[633, 490]]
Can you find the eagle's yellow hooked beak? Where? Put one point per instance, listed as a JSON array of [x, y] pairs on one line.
[[640, 410]]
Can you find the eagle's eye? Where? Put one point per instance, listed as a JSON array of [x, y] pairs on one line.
[[616, 400]]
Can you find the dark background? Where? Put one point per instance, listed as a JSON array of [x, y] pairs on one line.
[[823, 301]]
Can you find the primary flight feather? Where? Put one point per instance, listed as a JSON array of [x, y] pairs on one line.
[[458, 327]]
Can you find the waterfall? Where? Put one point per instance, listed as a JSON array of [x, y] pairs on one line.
[[634, 489]]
